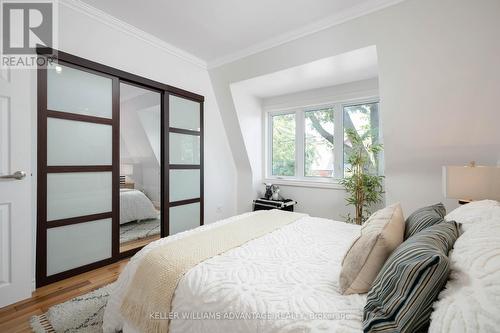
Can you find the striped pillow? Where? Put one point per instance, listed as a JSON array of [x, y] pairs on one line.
[[401, 296], [423, 218]]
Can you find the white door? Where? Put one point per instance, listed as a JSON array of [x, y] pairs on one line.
[[16, 237]]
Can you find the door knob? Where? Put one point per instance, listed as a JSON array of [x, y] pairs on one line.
[[16, 175]]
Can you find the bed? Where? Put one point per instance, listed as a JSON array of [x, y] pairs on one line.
[[135, 206], [289, 273], [288, 281]]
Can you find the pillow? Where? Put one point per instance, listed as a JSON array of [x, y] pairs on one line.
[[471, 300], [474, 212], [401, 297], [423, 218], [381, 234]]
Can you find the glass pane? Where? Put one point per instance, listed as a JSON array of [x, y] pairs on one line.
[[140, 166], [283, 132], [76, 245], [184, 149], [363, 119], [184, 217], [184, 113], [318, 143], [184, 184], [76, 91], [75, 194], [78, 143]]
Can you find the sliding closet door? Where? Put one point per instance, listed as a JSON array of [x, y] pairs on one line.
[[185, 168], [78, 170], [140, 166]]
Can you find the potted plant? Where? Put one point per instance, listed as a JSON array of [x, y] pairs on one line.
[[363, 184]]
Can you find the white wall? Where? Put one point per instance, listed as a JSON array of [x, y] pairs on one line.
[[439, 77], [342, 92], [249, 112], [97, 40]]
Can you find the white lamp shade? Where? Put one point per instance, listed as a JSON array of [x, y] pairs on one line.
[[471, 182], [126, 169]]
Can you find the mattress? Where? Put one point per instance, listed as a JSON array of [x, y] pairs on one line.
[[285, 281]]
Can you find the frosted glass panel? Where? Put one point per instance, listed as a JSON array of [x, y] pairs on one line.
[[184, 184], [73, 90], [184, 149], [76, 245], [184, 217], [75, 194], [78, 143], [184, 113]]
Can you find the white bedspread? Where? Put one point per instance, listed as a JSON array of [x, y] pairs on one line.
[[135, 206], [290, 274]]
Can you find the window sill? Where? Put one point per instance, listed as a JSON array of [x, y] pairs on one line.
[[334, 184]]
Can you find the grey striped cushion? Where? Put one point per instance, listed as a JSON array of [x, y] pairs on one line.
[[401, 296], [423, 218]]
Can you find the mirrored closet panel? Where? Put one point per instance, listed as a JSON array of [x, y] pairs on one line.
[[120, 165], [140, 166]]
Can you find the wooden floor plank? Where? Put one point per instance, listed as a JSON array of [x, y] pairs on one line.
[[138, 243], [15, 317]]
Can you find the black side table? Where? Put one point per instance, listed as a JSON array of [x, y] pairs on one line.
[[265, 204]]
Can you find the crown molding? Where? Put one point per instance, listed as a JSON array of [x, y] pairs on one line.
[[131, 30], [333, 20]]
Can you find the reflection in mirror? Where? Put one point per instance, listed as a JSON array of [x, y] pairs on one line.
[[139, 166]]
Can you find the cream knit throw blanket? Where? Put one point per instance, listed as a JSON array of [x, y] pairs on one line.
[[159, 272]]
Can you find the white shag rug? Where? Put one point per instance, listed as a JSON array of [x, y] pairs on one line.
[[139, 230], [82, 314]]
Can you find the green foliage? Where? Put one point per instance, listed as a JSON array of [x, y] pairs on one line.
[[283, 136], [318, 138], [284, 145], [362, 184]]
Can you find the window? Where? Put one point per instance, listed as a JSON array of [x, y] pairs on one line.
[[311, 144], [318, 143], [363, 118], [283, 146]]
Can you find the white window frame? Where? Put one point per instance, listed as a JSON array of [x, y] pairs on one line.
[[300, 179]]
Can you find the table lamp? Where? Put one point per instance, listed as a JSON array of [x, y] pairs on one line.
[[126, 170], [471, 182]]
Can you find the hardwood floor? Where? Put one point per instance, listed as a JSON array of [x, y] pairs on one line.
[[138, 243], [15, 318]]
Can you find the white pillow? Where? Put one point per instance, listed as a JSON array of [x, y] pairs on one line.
[[470, 301], [381, 234], [475, 212]]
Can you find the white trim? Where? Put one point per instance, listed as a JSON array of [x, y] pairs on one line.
[[333, 20], [300, 179], [300, 137], [127, 28], [332, 184], [338, 136]]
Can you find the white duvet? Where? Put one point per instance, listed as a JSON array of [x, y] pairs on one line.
[[135, 206], [286, 281], [470, 302]]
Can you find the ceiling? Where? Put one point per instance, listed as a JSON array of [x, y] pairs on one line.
[[347, 67], [216, 29]]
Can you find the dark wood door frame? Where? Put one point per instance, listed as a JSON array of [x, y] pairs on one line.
[[117, 77], [169, 166]]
